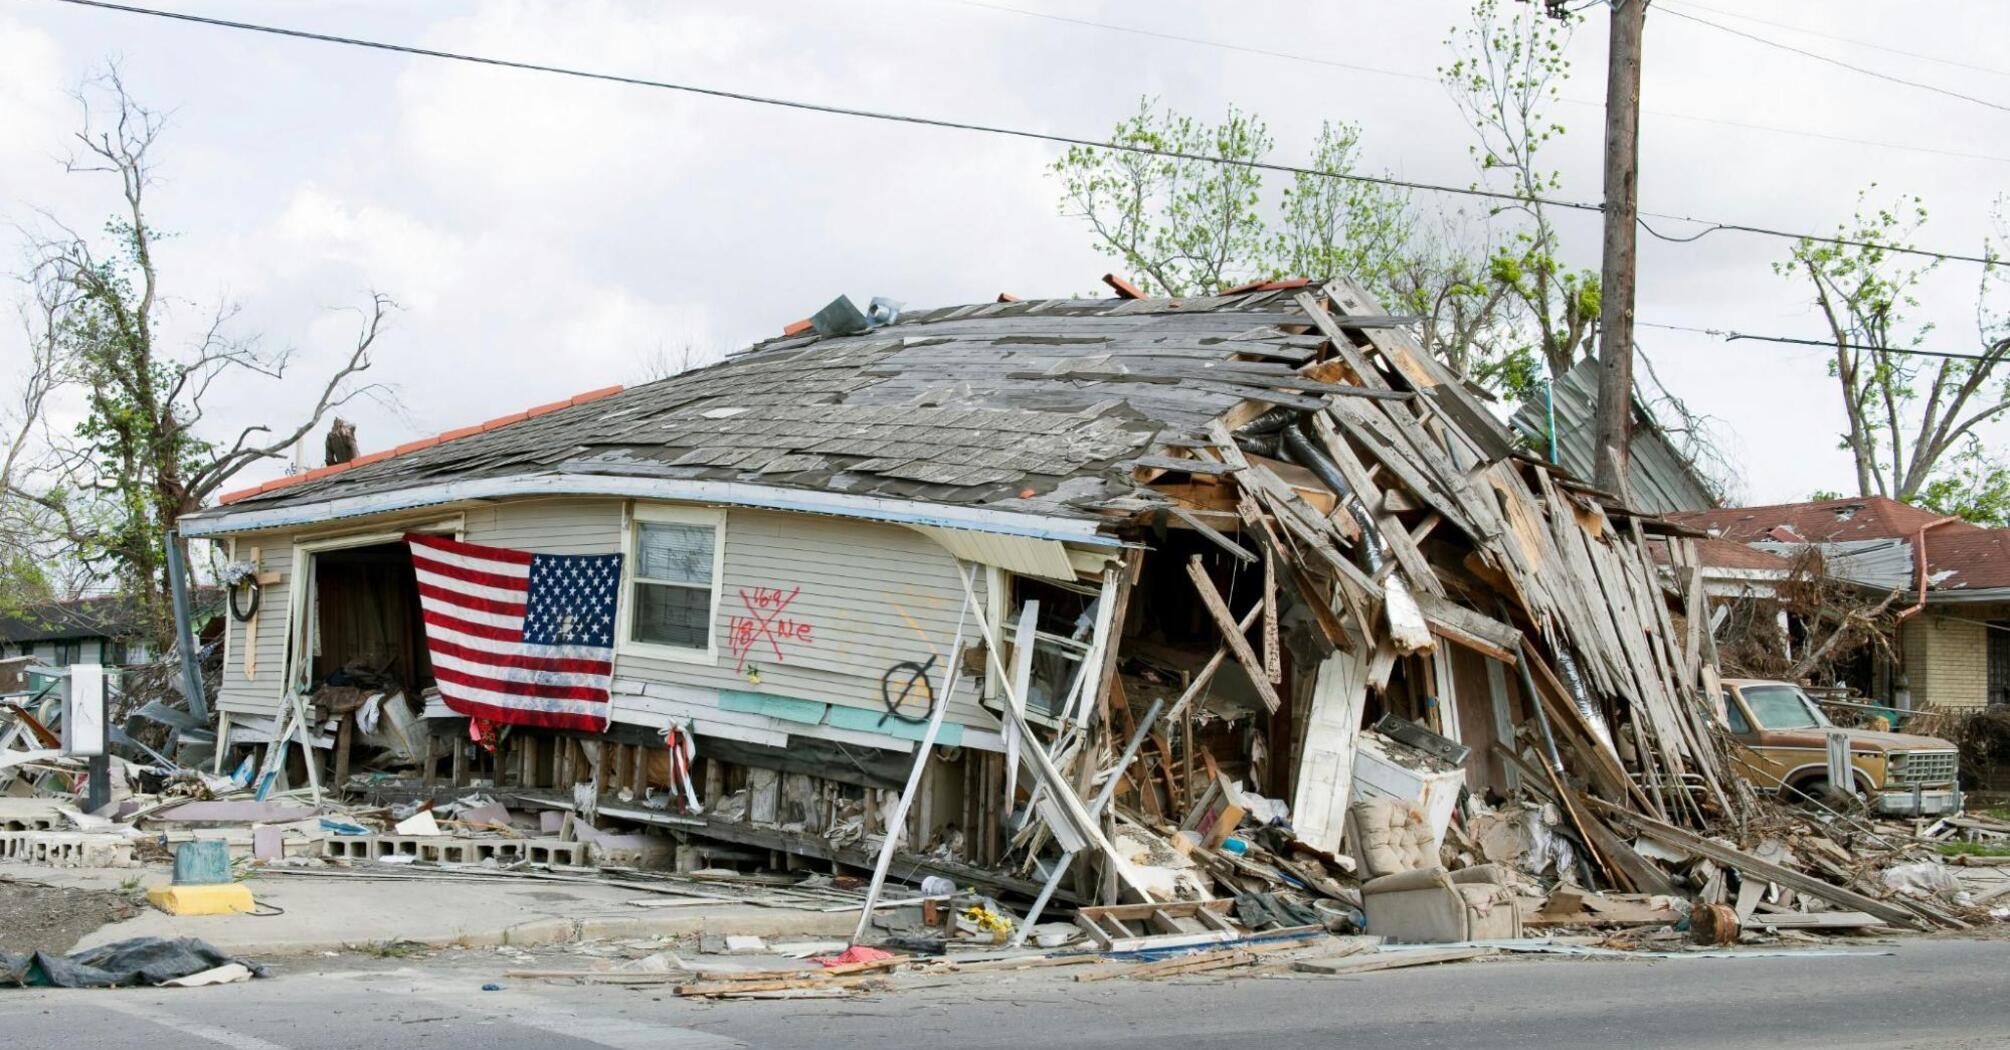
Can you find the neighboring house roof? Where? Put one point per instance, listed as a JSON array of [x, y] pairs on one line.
[[1817, 521], [114, 616], [1725, 554], [1038, 406], [1870, 539], [1659, 479]]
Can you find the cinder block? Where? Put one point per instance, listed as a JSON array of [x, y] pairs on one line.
[[67, 849], [454, 849]]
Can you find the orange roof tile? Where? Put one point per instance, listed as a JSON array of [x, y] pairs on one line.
[[416, 446]]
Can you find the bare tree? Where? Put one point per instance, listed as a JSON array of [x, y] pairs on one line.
[[140, 460], [662, 363], [1906, 414]]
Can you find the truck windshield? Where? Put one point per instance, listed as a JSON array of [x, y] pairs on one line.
[[1783, 707]]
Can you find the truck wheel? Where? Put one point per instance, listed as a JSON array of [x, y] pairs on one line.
[[1817, 792]]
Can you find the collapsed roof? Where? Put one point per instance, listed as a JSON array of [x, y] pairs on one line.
[[1043, 406]]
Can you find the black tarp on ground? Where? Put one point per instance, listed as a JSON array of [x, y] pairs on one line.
[[138, 961]]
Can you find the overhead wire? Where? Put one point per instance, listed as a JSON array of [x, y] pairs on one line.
[[994, 129], [1834, 61], [1293, 56], [1996, 352], [1850, 40]]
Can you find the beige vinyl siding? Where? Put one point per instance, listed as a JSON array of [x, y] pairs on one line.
[[873, 595], [552, 526], [259, 696]]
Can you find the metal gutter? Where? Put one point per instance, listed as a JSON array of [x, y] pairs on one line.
[[223, 521], [1919, 552]]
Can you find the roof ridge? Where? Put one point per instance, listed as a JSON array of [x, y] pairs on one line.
[[422, 443]]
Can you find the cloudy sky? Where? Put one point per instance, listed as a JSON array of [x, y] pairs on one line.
[[546, 236]]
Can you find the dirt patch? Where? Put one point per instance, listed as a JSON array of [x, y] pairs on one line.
[[35, 917]]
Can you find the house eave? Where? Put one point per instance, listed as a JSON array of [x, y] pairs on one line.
[[230, 520]]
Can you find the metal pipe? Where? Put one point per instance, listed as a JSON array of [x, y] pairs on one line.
[[1919, 555], [1581, 696], [1541, 716], [184, 629], [1301, 450]]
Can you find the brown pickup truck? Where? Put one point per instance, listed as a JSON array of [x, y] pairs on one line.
[[1782, 738]]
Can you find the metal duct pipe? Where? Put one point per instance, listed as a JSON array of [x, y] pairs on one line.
[[1582, 697], [1301, 450]]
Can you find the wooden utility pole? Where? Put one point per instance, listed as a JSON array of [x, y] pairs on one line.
[[1622, 197]]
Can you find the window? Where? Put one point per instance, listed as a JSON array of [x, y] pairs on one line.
[[112, 653], [1061, 632], [1783, 707], [69, 652], [673, 566], [1734, 716]]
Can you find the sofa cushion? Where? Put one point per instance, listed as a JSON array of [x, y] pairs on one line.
[[1391, 836]]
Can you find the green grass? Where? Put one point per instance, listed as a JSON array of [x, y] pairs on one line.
[[1972, 849]]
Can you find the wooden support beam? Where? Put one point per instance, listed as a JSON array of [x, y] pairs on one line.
[[1212, 535], [1237, 644]]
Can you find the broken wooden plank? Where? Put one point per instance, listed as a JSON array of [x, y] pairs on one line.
[[1389, 960], [1180, 463], [1212, 535], [1637, 870], [1752, 866], [1237, 644], [1812, 920]]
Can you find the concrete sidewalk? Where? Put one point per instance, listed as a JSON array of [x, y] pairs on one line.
[[329, 913]]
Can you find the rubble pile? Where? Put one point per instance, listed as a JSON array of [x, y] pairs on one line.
[[1370, 685]]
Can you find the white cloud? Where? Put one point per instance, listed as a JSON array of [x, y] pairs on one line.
[[545, 235]]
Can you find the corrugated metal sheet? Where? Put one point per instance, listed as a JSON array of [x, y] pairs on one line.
[[1660, 478], [1880, 564]]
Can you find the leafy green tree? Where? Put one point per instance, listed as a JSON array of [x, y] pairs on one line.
[[1183, 226], [1971, 486], [1911, 421], [1506, 70]]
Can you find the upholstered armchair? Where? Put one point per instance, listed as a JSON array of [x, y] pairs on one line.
[[1408, 897]]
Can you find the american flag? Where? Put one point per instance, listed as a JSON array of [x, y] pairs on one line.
[[519, 637]]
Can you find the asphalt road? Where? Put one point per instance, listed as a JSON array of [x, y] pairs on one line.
[[1928, 994]]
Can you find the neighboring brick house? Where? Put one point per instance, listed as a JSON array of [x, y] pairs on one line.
[[1954, 640]]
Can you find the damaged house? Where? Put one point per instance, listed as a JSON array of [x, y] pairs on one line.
[[1161, 565], [1947, 582]]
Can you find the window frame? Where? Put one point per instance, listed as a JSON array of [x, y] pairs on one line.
[[635, 516]]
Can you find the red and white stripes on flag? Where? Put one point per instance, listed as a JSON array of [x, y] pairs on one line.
[[516, 637]]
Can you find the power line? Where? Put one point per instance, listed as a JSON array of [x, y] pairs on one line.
[[1852, 41], [1819, 57], [1291, 56], [993, 129], [1995, 354]]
